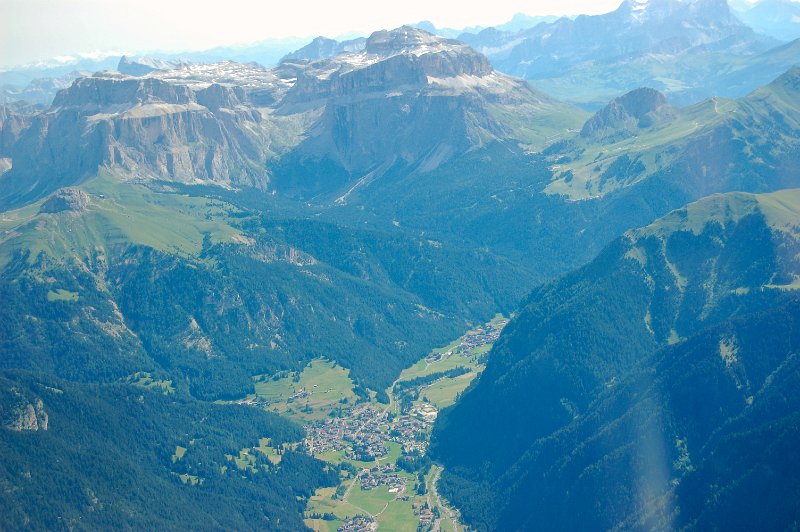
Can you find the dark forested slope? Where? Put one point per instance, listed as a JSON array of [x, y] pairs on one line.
[[722, 257]]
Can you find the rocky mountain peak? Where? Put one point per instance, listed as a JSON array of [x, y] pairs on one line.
[[318, 48], [639, 103], [438, 57], [398, 59], [639, 108], [403, 39]]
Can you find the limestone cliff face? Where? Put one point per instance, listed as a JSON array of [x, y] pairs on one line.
[[409, 101], [13, 122], [100, 92], [405, 97], [146, 127]]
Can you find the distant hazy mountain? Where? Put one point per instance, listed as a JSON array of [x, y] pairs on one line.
[[777, 18], [449, 33], [267, 52], [40, 91], [579, 421], [636, 27], [22, 75], [140, 66], [323, 48], [518, 22], [38, 84], [676, 46]]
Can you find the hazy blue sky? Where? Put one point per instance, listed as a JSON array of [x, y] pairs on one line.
[[32, 30]]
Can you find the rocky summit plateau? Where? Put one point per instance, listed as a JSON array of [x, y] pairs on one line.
[[234, 125]]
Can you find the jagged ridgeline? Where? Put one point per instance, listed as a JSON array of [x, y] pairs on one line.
[[586, 418]]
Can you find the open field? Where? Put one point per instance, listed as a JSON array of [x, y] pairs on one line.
[[310, 395], [374, 501], [267, 450], [321, 525], [62, 295], [443, 393], [146, 380]]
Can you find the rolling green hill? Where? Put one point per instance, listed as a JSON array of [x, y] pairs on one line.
[[713, 146]]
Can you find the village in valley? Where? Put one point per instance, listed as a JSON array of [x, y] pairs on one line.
[[387, 480]]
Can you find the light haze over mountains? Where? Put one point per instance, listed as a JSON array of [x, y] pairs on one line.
[[533, 274]]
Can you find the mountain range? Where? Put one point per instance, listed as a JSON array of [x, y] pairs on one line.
[[689, 49], [150, 145], [175, 232], [777, 18], [301, 112]]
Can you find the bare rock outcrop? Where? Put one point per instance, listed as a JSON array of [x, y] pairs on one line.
[[623, 116], [66, 199], [20, 413]]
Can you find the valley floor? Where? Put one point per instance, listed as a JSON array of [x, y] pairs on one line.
[[386, 479]]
